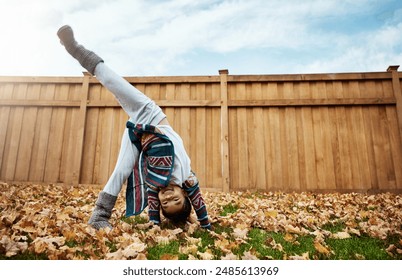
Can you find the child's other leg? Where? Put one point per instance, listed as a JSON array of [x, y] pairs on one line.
[[126, 159], [108, 196], [139, 107]]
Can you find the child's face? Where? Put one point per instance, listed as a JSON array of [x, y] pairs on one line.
[[172, 199]]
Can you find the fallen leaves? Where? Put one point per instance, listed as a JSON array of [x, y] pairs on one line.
[[322, 249], [341, 235], [52, 220]]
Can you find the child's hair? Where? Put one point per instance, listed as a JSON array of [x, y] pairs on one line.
[[181, 216]]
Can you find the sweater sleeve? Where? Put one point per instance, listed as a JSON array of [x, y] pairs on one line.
[[153, 206], [191, 186]]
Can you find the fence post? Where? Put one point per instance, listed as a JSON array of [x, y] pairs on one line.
[[225, 130], [81, 129], [396, 86]]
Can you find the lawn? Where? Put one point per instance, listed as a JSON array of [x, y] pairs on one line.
[[50, 222]]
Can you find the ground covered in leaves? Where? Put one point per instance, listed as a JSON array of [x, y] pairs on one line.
[[50, 222]]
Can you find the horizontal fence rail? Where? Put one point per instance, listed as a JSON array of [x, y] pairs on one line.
[[336, 132]]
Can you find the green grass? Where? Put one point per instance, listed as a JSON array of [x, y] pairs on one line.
[[352, 248], [261, 241], [229, 209], [159, 251], [132, 220], [335, 226], [25, 256]]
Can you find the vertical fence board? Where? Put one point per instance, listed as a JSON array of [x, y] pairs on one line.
[[16, 127], [6, 92], [27, 137]]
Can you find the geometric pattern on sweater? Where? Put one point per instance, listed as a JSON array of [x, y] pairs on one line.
[[156, 153], [153, 206], [191, 186], [153, 168], [136, 194]]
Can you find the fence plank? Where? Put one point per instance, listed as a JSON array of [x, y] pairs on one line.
[[80, 129], [6, 91], [224, 123], [42, 131], [17, 116], [28, 134]]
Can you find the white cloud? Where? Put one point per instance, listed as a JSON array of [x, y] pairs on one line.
[[162, 37]]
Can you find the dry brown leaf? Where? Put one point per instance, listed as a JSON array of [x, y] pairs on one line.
[[44, 212], [341, 235], [133, 249], [353, 231], [249, 255], [240, 233], [190, 249], [207, 255], [193, 241], [229, 256], [141, 256], [118, 255], [304, 256], [11, 247]]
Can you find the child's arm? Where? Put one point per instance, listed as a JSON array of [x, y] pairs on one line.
[[153, 206], [191, 186]]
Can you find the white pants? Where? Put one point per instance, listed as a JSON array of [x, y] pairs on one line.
[[140, 109]]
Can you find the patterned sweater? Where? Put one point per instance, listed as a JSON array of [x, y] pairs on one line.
[[153, 171]]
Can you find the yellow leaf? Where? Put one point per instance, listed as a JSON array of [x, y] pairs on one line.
[[364, 214], [271, 214], [321, 248], [289, 237], [69, 234], [169, 257]]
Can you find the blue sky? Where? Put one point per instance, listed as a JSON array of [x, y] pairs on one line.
[[189, 37]]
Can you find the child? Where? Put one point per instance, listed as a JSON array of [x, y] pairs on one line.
[[152, 154]]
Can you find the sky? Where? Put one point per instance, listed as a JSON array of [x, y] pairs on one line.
[[201, 37]]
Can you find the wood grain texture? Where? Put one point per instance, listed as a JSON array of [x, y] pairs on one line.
[[310, 132]]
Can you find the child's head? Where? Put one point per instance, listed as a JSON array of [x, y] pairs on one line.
[[175, 204]]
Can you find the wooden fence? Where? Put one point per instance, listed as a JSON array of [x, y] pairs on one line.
[[312, 132]]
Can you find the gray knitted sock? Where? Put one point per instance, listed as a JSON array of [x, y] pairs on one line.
[[88, 59], [103, 210]]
